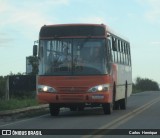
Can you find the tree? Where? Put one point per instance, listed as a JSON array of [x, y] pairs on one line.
[[145, 85], [3, 80], [33, 60]]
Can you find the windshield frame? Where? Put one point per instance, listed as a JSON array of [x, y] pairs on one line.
[[72, 72]]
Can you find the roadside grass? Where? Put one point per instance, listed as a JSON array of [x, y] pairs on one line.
[[17, 103]]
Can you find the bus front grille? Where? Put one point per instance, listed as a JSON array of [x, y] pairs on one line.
[[72, 89], [72, 98]]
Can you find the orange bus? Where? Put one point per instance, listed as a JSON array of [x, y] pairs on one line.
[[83, 65]]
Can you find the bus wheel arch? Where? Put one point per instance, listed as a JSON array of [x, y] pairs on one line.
[[123, 102], [115, 103]]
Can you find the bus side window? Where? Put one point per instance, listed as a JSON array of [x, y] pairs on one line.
[[112, 51], [110, 56], [40, 55], [116, 51], [109, 53], [122, 53], [119, 52], [126, 53], [114, 44], [129, 54]]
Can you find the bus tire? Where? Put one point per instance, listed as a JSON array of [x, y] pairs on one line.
[[54, 109], [116, 105], [107, 108], [73, 108], [81, 108], [123, 102]]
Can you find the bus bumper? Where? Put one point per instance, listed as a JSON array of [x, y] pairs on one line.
[[97, 97]]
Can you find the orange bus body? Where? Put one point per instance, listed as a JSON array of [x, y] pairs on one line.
[[74, 90]]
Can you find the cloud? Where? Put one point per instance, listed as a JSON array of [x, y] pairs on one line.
[[25, 14], [3, 6], [156, 43], [5, 39], [28, 19], [92, 20], [153, 11], [25, 18], [56, 2], [30, 13]]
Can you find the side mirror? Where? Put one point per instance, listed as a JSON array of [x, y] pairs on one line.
[[35, 50]]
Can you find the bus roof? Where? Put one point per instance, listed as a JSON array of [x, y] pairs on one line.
[[76, 24], [76, 30], [73, 30]]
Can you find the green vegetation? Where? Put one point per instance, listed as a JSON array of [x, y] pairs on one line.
[[34, 62], [145, 85], [17, 103], [3, 81]]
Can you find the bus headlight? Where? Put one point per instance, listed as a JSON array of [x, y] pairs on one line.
[[44, 88], [99, 88]]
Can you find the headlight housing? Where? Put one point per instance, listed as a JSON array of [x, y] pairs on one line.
[[44, 88], [99, 88]]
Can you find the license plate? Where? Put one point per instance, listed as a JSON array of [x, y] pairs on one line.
[[97, 97]]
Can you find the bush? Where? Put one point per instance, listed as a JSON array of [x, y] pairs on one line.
[[3, 81], [145, 85], [20, 86], [14, 103]]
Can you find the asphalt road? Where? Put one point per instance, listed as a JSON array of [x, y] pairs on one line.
[[143, 112]]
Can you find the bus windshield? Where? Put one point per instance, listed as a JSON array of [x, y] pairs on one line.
[[72, 57]]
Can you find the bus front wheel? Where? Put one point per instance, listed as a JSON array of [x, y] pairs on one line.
[[73, 108], [107, 108], [54, 109]]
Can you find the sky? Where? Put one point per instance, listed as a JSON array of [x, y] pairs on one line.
[[136, 20]]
